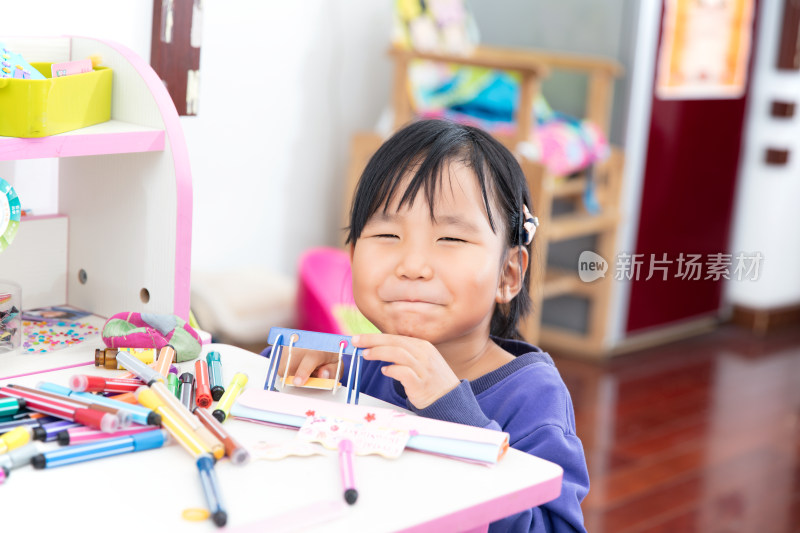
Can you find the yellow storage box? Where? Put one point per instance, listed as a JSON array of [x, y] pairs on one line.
[[38, 108]]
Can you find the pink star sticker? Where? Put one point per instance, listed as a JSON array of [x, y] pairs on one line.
[[310, 413], [370, 417]]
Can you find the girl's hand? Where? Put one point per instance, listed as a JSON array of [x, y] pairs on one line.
[[307, 363], [416, 364]]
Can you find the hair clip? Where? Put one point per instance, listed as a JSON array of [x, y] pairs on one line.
[[529, 225]]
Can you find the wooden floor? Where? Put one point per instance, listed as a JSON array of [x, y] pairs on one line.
[[701, 435]]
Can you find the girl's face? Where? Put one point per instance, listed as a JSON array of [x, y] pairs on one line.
[[431, 279]]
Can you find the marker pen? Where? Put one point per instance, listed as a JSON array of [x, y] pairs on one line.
[[5, 427], [15, 438], [173, 385], [82, 434], [346, 454], [19, 457], [126, 397], [165, 358], [186, 390], [83, 383], [226, 402], [176, 427], [216, 447], [237, 453], [140, 370], [52, 430], [140, 415], [124, 415], [215, 375], [202, 387], [103, 448], [208, 480], [64, 409], [11, 406]]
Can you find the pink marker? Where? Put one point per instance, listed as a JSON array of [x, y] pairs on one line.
[[346, 467]]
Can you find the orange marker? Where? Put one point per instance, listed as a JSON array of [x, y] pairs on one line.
[[165, 358]]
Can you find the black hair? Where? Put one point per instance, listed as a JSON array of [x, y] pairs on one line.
[[425, 148]]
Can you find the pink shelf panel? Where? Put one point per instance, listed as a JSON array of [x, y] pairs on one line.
[[112, 137]]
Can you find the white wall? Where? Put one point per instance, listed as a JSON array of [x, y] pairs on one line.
[[284, 85], [767, 216]]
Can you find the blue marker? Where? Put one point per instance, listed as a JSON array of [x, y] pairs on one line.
[[215, 375], [139, 414], [208, 479], [102, 448]]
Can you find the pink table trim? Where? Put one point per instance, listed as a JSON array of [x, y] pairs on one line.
[[492, 510]]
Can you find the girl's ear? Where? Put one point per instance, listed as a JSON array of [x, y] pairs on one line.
[[512, 275]]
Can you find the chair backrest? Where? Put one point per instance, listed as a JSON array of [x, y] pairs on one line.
[[324, 286]]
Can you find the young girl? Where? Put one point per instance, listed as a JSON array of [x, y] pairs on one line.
[[440, 238]]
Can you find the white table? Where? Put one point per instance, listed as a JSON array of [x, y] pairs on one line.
[[151, 489]]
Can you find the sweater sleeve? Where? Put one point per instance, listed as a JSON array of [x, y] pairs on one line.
[[459, 406], [549, 442]]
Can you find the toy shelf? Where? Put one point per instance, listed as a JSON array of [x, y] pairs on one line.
[[122, 238], [548, 282], [112, 137]]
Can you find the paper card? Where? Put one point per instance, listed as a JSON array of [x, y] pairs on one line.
[[68, 68], [273, 451], [367, 437]]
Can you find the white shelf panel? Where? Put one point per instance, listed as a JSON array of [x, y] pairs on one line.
[[112, 137]]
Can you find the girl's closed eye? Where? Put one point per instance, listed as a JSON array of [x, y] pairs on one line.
[[451, 239]]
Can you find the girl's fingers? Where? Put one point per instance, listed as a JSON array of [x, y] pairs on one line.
[[307, 365], [368, 340], [326, 371], [390, 354], [403, 374]]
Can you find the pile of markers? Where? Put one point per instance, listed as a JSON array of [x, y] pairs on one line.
[[97, 417], [9, 321]]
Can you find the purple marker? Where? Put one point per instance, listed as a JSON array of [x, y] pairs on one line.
[[54, 428]]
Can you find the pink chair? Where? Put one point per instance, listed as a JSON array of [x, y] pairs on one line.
[[325, 294]]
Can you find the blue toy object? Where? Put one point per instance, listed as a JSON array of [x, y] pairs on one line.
[[13, 65], [278, 338]]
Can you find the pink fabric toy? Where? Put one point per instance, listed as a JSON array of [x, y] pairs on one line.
[[147, 330]]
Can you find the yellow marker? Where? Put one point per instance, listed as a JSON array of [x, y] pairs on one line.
[[179, 431], [231, 393], [192, 422], [16, 438]]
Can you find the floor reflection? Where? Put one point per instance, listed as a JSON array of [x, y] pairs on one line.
[[702, 435]]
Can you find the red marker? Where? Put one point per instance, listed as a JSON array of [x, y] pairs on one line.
[[203, 388], [81, 383], [64, 409]]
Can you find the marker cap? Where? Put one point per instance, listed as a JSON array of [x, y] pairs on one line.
[[17, 437], [78, 382], [106, 422]]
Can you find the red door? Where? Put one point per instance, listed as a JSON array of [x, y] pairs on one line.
[[687, 202]]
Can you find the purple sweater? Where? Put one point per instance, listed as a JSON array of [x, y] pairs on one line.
[[525, 398]]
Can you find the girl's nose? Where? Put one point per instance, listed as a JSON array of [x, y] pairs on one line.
[[414, 265]]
